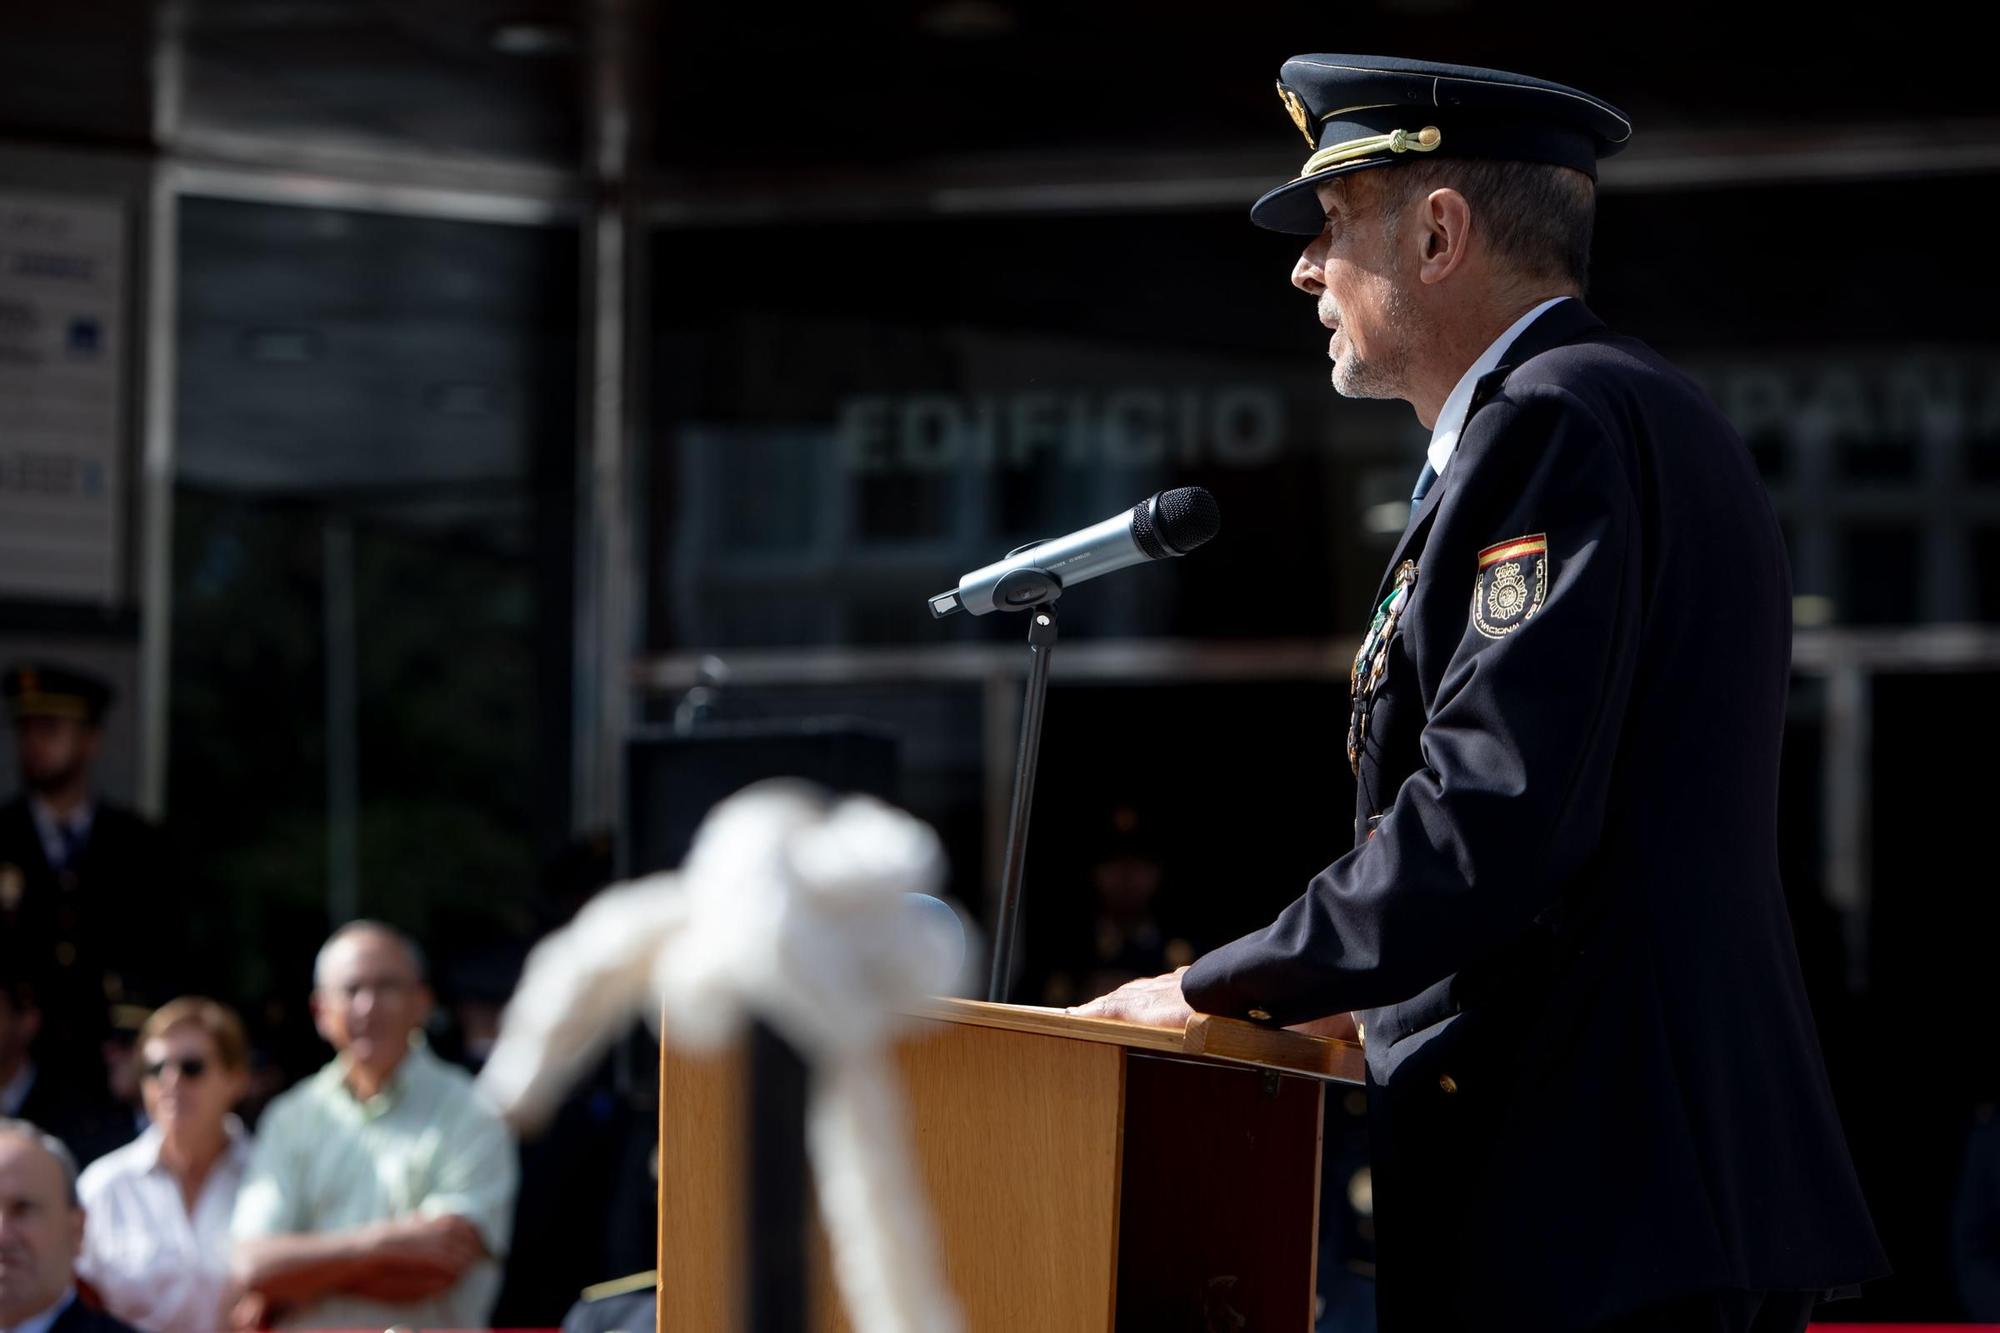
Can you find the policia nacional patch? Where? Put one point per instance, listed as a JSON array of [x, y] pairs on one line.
[[1513, 580]]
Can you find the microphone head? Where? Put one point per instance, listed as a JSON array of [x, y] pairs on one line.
[[1175, 522]]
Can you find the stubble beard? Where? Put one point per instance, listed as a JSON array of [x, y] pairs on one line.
[[1386, 375]]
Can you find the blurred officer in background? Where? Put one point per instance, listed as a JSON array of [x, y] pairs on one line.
[[88, 898]]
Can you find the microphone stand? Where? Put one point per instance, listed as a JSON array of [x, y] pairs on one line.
[[1036, 590]]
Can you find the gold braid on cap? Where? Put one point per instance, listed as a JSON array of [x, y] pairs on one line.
[[1395, 141]]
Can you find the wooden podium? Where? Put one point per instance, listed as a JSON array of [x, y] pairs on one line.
[[1085, 1175]]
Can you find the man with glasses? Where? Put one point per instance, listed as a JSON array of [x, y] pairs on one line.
[[380, 1191]]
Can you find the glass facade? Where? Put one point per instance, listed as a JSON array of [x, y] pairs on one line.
[[372, 545]]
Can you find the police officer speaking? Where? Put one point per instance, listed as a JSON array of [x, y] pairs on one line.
[[1596, 1096]]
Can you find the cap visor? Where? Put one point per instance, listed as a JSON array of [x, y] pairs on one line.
[[1294, 207]]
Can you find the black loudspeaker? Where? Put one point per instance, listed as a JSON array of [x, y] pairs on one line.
[[672, 778]]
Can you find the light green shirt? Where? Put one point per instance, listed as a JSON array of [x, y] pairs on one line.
[[423, 1146]]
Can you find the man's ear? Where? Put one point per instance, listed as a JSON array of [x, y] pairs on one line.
[[1445, 223]]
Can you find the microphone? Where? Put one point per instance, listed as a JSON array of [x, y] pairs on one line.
[[1172, 523]]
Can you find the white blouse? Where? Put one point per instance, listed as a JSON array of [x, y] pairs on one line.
[[157, 1266]]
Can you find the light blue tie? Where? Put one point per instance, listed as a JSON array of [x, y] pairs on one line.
[[72, 841], [1424, 480]]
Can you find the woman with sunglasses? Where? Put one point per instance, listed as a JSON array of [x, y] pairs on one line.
[[156, 1232]]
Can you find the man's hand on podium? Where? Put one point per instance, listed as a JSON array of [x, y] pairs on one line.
[[1155, 1002]]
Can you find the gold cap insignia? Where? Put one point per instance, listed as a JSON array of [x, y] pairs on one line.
[[1297, 109]]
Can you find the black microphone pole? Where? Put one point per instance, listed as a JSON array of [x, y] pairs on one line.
[[1171, 523], [1037, 590]]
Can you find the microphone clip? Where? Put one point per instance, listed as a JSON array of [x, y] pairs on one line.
[[1026, 588], [1020, 589]]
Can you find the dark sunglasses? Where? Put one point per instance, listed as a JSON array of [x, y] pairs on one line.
[[191, 1067]]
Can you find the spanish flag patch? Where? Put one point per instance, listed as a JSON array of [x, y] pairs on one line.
[[1513, 580]]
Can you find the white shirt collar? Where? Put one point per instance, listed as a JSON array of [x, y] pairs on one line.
[[1451, 419], [40, 1323], [151, 1139]]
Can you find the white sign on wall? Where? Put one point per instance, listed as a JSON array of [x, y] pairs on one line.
[[62, 386]]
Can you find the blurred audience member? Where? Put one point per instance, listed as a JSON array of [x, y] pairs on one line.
[[41, 1231], [623, 1305], [85, 886], [50, 1098], [267, 1083], [571, 878], [1345, 1273], [580, 1195], [1975, 1221], [380, 1189], [108, 1112], [157, 1244], [125, 1103], [1125, 938], [575, 1176], [22, 1091], [476, 987]]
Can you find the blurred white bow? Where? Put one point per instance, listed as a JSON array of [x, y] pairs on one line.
[[800, 913]]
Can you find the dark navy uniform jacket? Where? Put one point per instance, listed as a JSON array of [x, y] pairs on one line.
[[113, 921], [1594, 1082], [79, 1318]]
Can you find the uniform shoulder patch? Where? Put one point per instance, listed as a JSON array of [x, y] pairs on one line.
[[1513, 580]]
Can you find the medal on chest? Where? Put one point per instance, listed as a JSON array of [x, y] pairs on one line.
[[1371, 663]]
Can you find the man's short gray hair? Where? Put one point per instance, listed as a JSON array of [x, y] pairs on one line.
[[324, 959], [1539, 218], [49, 1144]]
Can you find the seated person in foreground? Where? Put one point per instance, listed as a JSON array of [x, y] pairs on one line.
[[380, 1190], [41, 1230]]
